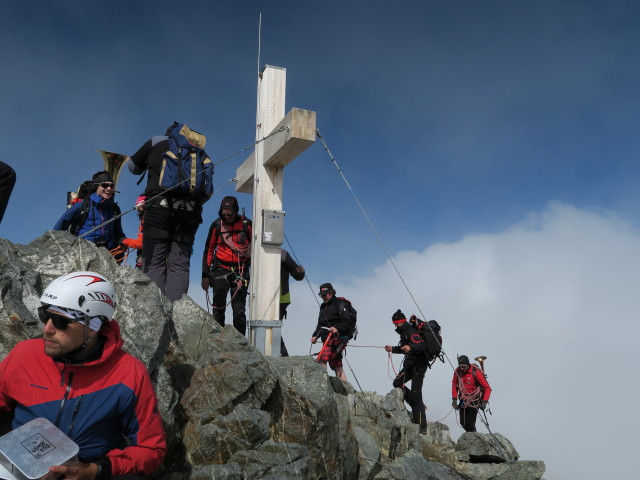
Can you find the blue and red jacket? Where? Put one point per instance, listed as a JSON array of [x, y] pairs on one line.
[[107, 406], [100, 210]]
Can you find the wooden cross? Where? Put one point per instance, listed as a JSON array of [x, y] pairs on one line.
[[262, 174]]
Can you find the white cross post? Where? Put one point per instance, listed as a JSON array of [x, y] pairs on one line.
[[262, 175]]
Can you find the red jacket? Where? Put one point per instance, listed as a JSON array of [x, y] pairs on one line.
[[470, 381], [227, 243], [107, 406], [134, 243]]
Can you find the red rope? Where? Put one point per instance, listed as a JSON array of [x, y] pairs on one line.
[[324, 345]]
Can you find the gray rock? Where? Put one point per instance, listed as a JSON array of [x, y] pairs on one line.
[[526, 470], [228, 471], [438, 433], [306, 410], [284, 461], [413, 466], [486, 448], [216, 442], [192, 327], [231, 413]]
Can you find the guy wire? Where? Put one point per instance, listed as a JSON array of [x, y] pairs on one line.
[[485, 421], [373, 229]]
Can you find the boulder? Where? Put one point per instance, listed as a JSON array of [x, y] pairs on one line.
[[486, 448]]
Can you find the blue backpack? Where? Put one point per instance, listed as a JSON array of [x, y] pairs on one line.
[[186, 169]]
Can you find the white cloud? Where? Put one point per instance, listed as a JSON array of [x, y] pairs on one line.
[[549, 301]]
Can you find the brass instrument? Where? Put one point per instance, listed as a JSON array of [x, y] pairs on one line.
[[481, 360], [113, 163]]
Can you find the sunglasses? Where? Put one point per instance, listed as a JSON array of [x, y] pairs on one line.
[[59, 321], [107, 185]]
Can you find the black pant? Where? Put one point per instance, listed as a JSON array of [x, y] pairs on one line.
[[413, 396], [224, 280], [167, 245], [7, 181], [468, 417], [283, 315]]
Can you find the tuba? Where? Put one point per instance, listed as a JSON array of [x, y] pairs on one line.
[[113, 163], [481, 360]]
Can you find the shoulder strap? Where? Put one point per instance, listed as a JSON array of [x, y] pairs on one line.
[[475, 375], [216, 228], [81, 216]]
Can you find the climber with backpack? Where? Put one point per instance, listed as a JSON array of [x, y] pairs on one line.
[[414, 367], [95, 210], [470, 387], [431, 334], [179, 182], [336, 326], [225, 262]]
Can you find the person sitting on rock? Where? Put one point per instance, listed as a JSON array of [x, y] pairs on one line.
[[414, 367], [78, 377], [470, 386]]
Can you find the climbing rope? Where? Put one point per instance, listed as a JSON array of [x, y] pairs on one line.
[[373, 229]]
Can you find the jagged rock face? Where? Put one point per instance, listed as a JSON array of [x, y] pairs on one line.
[[231, 413]]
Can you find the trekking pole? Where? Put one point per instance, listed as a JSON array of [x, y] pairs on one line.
[[495, 441]]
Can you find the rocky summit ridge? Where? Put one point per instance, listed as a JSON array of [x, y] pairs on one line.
[[232, 413]]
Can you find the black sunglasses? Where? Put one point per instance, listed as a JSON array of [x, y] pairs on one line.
[[107, 185], [59, 321]]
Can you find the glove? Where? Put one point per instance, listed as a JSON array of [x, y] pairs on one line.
[[483, 404], [205, 283], [454, 404]]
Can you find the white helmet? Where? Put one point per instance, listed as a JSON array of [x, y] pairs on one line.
[[87, 292]]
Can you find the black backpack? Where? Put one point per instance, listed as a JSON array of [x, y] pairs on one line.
[[353, 317], [430, 333]]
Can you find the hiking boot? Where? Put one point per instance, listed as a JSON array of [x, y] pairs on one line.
[[423, 431]]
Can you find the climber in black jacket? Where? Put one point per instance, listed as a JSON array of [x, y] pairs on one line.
[[414, 367]]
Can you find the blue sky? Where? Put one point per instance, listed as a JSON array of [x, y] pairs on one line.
[[468, 130]]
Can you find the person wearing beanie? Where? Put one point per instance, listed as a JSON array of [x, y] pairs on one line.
[[337, 318], [89, 218], [225, 262], [470, 387], [414, 367], [171, 217]]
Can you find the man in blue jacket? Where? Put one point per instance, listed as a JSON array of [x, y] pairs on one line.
[[83, 217]]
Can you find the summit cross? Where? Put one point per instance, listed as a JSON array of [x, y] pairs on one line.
[[262, 174]]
